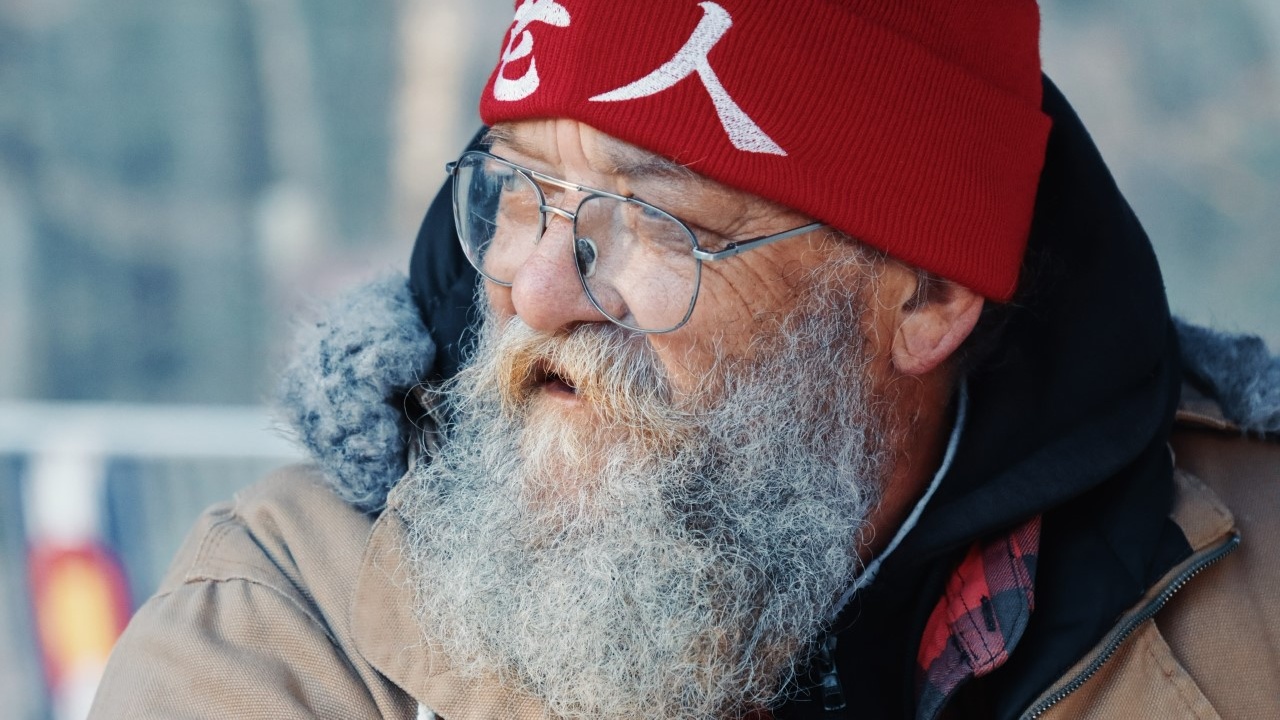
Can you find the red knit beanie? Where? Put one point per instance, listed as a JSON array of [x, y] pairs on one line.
[[912, 125]]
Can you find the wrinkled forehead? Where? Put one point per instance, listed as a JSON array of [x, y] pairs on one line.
[[536, 144], [605, 153]]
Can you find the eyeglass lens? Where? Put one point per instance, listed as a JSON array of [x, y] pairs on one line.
[[634, 260]]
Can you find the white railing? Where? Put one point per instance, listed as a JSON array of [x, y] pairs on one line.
[[95, 499]]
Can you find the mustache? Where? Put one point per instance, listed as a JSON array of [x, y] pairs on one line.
[[612, 369]]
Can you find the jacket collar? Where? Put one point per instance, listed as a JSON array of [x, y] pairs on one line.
[[1211, 531]]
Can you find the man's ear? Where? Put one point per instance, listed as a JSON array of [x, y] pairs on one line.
[[933, 323]]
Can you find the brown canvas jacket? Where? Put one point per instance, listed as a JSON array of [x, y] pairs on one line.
[[1205, 641], [289, 603]]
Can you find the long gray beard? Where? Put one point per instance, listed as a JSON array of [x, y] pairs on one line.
[[663, 559]]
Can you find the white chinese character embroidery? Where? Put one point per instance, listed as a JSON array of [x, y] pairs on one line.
[[520, 45], [743, 132]]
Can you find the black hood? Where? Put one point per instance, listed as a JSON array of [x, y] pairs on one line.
[[1072, 419], [443, 281], [1068, 419], [1086, 377]]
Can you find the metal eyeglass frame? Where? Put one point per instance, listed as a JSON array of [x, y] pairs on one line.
[[733, 248]]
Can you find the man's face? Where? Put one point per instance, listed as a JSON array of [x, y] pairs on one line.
[[739, 298], [630, 525]]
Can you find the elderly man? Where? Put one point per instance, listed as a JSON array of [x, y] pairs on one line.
[[817, 370]]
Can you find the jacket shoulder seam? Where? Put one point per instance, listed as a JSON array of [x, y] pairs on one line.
[[195, 580], [209, 544], [210, 564]]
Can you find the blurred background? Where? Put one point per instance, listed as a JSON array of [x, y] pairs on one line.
[[178, 179]]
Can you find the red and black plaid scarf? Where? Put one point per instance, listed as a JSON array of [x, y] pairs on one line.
[[979, 618]]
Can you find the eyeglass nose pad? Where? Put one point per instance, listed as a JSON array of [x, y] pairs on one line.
[[585, 254]]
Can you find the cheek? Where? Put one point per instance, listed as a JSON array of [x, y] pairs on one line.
[[499, 299], [748, 295], [686, 357], [727, 326], [741, 301]]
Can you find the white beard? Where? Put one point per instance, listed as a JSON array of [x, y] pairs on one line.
[[657, 559]]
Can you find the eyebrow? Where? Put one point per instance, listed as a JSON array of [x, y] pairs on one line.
[[622, 158], [499, 134], [634, 162]]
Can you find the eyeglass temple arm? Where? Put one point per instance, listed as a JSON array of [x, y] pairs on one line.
[[737, 248]]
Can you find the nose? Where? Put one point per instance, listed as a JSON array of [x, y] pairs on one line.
[[546, 292]]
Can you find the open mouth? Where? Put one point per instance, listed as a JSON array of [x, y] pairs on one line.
[[551, 379]]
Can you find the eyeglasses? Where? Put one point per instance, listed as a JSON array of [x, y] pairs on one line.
[[640, 266]]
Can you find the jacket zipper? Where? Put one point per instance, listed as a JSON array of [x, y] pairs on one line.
[[1127, 629]]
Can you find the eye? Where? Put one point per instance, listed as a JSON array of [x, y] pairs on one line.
[[500, 177], [649, 212], [510, 180], [657, 228], [642, 214]]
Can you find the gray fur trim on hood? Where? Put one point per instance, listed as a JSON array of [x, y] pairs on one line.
[[1235, 370], [342, 394]]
